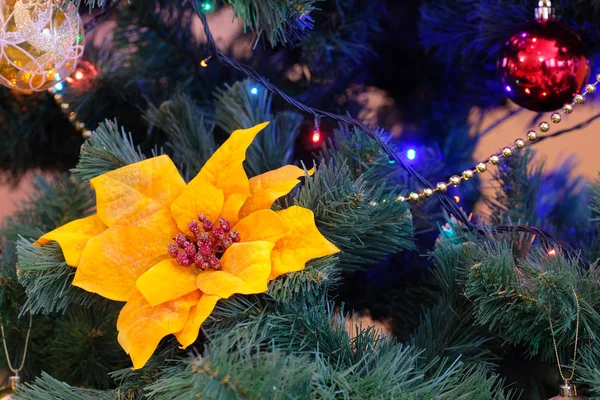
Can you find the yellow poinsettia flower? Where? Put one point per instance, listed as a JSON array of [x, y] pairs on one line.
[[171, 250]]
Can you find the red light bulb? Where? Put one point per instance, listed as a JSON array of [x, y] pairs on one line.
[[316, 136]]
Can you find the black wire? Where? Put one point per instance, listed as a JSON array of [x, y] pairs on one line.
[[448, 205], [547, 240]]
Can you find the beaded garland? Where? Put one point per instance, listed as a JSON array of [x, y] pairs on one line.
[[494, 159]]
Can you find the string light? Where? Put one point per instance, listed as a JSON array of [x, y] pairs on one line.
[[206, 6], [411, 154], [316, 136], [254, 91], [552, 252]]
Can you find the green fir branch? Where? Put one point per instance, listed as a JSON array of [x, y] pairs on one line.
[[46, 387], [107, 149], [363, 155], [190, 132], [588, 369], [280, 22], [246, 104], [379, 224], [244, 373], [318, 276], [85, 347], [47, 279], [514, 297]]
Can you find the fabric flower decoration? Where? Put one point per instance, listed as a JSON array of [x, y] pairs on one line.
[[171, 250]]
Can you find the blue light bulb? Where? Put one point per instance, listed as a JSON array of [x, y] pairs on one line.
[[411, 154], [59, 86], [254, 91]]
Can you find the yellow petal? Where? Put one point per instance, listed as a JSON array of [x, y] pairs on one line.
[[224, 169], [231, 208], [261, 225], [303, 243], [139, 194], [113, 260], [268, 187], [199, 197], [141, 327], [74, 236], [166, 281], [245, 270], [198, 315]]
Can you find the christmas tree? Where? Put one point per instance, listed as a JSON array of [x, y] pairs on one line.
[[221, 215]]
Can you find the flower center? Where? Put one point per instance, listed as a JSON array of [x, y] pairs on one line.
[[209, 243]]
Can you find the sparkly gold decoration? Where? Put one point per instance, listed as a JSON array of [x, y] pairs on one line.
[[556, 118], [400, 198], [568, 109], [519, 143], [579, 99], [544, 126], [507, 152], [467, 174], [532, 136], [40, 44], [589, 89], [441, 187], [428, 192], [495, 160], [455, 180], [414, 196], [481, 167]]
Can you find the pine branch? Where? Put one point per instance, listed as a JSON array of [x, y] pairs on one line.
[[364, 156], [318, 276], [449, 329], [106, 150], [237, 370], [38, 138], [280, 22], [84, 346], [344, 38], [89, 3], [45, 387], [246, 104], [527, 194], [189, 130], [47, 279], [379, 224], [514, 297], [588, 369]]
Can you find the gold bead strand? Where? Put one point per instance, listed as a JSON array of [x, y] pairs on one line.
[[71, 115], [532, 136]]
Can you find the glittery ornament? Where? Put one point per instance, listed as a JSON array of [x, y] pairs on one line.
[[568, 391], [543, 64], [40, 44]]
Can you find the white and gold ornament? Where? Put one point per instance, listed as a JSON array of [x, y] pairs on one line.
[[40, 43]]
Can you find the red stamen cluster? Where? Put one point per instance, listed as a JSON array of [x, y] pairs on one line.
[[210, 241]]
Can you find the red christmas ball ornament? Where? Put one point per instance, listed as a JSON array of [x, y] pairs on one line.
[[543, 64]]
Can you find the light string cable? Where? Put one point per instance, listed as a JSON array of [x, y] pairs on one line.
[[449, 206]]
